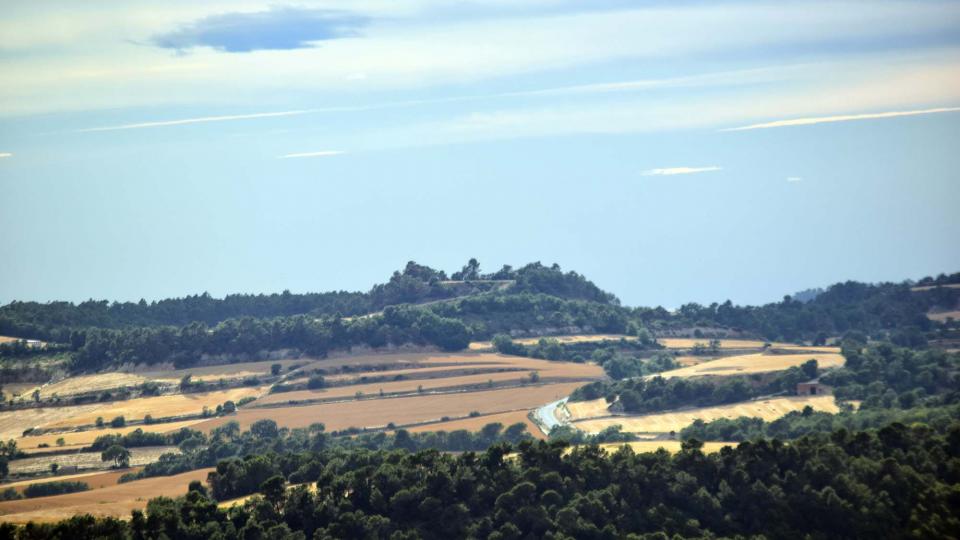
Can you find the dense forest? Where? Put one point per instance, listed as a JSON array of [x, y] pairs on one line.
[[893, 482]]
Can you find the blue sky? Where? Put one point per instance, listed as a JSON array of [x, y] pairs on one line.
[[670, 151]]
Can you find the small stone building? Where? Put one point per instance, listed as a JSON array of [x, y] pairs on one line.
[[813, 388]]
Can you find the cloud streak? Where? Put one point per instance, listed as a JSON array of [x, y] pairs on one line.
[[673, 171], [321, 153], [200, 120], [5, 154], [840, 118]]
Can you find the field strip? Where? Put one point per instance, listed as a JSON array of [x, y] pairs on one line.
[[115, 501], [476, 423], [674, 421], [377, 413], [469, 383], [670, 446], [86, 437], [751, 363], [95, 479], [86, 460]]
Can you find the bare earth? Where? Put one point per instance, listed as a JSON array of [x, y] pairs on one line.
[[84, 438]]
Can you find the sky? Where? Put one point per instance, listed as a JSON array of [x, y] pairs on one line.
[[671, 151]]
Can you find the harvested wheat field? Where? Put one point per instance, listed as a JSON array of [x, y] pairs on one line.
[[96, 479], [8, 339], [476, 423], [689, 343], [579, 338], [418, 372], [412, 386], [158, 406], [374, 413], [221, 371], [14, 423], [87, 460], [86, 437], [745, 364], [115, 501], [90, 383], [587, 409], [931, 287], [546, 368], [767, 409]]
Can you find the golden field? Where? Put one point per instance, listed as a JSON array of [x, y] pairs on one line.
[[746, 364], [114, 501], [767, 409]]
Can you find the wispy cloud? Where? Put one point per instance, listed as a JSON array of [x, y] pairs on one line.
[[840, 118], [5, 154], [277, 29], [671, 171], [199, 120], [794, 179], [321, 153]]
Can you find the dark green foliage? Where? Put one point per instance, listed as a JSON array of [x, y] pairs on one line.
[[46, 489], [895, 482]]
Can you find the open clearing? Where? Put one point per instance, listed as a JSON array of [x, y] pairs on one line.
[[86, 437], [376, 413], [116, 501], [767, 409], [8, 339], [475, 424], [587, 409], [689, 343], [86, 460], [746, 364], [158, 406], [931, 287]]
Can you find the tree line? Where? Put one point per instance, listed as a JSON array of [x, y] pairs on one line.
[[896, 481]]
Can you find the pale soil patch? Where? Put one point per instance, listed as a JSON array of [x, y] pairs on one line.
[[746, 364], [8, 339], [85, 438], [942, 316], [581, 338], [406, 410], [116, 501], [96, 480], [87, 460], [158, 406], [587, 409], [239, 370], [475, 424], [670, 446], [14, 423], [90, 383], [767, 409]]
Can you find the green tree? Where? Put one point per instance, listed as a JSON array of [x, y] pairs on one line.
[[119, 455]]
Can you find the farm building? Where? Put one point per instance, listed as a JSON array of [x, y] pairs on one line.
[[813, 388]]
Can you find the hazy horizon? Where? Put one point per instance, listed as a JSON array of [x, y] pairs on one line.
[[669, 152]]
